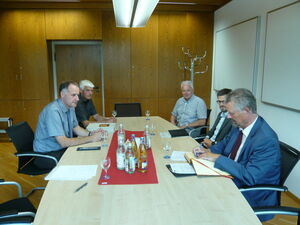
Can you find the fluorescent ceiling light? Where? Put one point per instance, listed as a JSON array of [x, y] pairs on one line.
[[133, 13]]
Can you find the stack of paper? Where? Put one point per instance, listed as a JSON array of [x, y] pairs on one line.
[[182, 168], [109, 127], [74, 172], [165, 135], [178, 156]]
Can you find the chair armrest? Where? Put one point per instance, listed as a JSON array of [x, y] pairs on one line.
[[20, 192], [37, 155], [264, 187], [14, 213], [196, 131], [282, 210]]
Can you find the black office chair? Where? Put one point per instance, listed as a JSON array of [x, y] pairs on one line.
[[200, 132], [16, 211], [289, 158], [22, 137], [128, 109]]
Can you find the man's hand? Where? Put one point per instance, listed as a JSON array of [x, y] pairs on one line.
[[205, 154], [207, 142]]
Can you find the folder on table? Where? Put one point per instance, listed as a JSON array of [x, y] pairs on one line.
[[204, 167], [178, 133]]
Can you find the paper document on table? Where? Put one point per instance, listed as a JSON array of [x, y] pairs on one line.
[[72, 172], [109, 127], [165, 134], [178, 156], [182, 168], [204, 167]]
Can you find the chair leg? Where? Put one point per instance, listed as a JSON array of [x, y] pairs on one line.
[[34, 189]]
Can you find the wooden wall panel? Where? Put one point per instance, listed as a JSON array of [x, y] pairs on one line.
[[148, 104], [200, 33], [32, 51], [73, 24], [116, 56], [165, 106], [144, 60]]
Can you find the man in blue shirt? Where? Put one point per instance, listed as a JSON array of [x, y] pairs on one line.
[[190, 110], [57, 123], [250, 152]]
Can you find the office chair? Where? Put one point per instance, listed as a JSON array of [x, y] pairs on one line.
[[22, 137], [16, 211], [199, 133], [289, 158], [128, 109]]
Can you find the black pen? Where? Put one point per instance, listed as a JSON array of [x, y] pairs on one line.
[[82, 186]]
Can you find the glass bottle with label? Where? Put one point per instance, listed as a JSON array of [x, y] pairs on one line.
[[129, 159], [143, 159], [135, 149], [120, 156], [147, 137], [121, 133]]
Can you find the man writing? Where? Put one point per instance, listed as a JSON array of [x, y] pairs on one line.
[[57, 123], [190, 110], [85, 107], [250, 153], [222, 125]]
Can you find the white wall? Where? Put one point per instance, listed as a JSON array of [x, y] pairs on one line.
[[285, 122]]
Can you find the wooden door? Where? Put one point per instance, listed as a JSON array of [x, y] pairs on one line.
[[80, 62]]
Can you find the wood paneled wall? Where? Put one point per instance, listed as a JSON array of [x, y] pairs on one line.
[[140, 65]]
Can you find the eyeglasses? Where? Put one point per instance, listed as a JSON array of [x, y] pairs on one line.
[[219, 102]]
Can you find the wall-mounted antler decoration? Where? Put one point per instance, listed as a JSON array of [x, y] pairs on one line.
[[194, 61]]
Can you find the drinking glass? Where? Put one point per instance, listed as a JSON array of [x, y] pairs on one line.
[[152, 129], [167, 148], [114, 113], [105, 139], [147, 114], [105, 164]]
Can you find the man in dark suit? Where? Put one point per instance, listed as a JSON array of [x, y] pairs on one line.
[[222, 125], [250, 152]]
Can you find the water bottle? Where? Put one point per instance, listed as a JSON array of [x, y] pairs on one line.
[[147, 137], [129, 160], [120, 156], [121, 134]]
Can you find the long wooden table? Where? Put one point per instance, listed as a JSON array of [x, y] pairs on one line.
[[184, 200]]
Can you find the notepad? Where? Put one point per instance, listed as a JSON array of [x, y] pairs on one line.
[[72, 172], [204, 167], [182, 168], [178, 156]]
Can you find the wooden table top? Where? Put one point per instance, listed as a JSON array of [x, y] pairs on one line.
[[183, 200]]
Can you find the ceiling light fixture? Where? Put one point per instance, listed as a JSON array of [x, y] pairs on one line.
[[133, 13]]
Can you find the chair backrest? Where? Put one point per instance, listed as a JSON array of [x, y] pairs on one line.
[[128, 109], [289, 158], [22, 137], [207, 116]]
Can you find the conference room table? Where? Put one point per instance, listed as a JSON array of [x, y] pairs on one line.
[[173, 200]]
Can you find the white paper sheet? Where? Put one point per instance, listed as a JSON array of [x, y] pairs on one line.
[[109, 127], [178, 156], [182, 168], [72, 172], [165, 134]]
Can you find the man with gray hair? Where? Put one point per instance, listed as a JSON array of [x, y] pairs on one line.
[[190, 110], [85, 107], [250, 152], [56, 125]]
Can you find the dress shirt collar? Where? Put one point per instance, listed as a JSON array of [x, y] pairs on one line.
[[224, 114], [246, 131], [63, 107], [191, 98]]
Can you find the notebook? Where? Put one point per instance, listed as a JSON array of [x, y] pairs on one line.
[[178, 133]]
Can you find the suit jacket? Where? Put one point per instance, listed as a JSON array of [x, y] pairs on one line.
[[258, 162], [224, 130]]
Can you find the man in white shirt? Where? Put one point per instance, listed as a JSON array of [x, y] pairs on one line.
[[190, 110]]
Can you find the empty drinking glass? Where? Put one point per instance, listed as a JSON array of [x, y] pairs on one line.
[[152, 129], [147, 115], [105, 164], [114, 113], [167, 148]]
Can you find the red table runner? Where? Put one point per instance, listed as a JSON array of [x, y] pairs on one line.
[[120, 176]]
